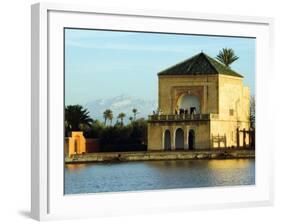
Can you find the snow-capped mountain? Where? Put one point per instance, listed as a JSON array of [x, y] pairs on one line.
[[122, 103]]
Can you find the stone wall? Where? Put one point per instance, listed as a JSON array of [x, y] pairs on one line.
[[172, 87], [92, 145], [81, 146], [228, 129], [156, 134], [233, 95], [76, 144], [154, 155], [222, 96]]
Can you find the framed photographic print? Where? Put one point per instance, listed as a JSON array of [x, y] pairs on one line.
[[148, 111]]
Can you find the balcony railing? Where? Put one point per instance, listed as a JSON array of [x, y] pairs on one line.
[[181, 117]]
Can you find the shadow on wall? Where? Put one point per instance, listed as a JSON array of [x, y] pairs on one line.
[[245, 139], [218, 141]]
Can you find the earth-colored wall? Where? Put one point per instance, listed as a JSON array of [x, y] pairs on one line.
[[154, 155], [172, 87], [92, 145], [223, 95], [233, 95], [224, 133], [76, 144], [156, 134]]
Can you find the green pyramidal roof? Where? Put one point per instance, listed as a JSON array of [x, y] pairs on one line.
[[200, 64]]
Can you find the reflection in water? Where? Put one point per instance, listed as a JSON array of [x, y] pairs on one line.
[[75, 167], [152, 175], [228, 164]]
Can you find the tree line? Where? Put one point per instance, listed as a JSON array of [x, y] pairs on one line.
[[112, 137], [108, 115]]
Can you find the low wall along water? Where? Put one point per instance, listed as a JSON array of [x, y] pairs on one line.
[[160, 155]]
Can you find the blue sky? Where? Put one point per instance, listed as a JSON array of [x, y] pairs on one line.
[[106, 64]]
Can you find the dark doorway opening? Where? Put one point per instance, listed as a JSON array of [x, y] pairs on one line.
[[179, 139], [191, 139], [167, 140]]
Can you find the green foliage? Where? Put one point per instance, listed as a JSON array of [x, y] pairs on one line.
[[134, 133], [94, 130], [76, 117], [227, 56], [139, 130], [115, 135], [120, 137], [135, 111], [108, 115], [121, 116]]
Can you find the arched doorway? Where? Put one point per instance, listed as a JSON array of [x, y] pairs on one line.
[[75, 146], [191, 139], [191, 103], [179, 139], [167, 140]]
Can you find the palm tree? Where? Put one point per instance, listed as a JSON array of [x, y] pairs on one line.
[[135, 111], [107, 114], [131, 119], [227, 56], [110, 118], [121, 116], [76, 117]]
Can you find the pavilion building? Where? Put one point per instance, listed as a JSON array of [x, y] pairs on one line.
[[202, 105]]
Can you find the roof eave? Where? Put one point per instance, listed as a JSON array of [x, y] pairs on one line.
[[232, 75]]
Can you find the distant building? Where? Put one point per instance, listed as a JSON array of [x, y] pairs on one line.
[[77, 144], [203, 105]]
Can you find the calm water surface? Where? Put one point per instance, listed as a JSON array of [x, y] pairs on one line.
[[152, 175]]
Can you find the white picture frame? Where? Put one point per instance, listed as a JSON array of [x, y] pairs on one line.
[[48, 200]]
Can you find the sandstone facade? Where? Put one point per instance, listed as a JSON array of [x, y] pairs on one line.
[[200, 111]]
